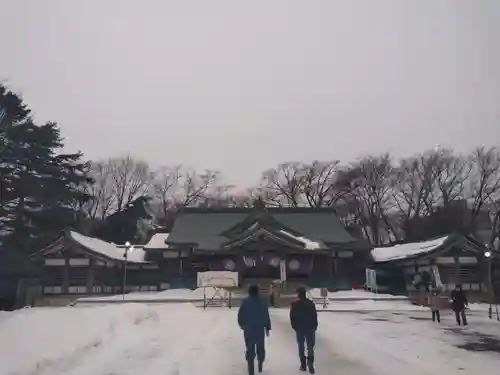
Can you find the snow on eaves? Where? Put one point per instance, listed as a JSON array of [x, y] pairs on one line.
[[157, 241], [308, 244], [407, 250], [108, 249]]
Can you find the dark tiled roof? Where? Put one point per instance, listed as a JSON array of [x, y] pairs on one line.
[[205, 226]]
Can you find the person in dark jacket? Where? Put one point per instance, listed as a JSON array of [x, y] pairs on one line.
[[304, 320], [254, 320], [458, 303]]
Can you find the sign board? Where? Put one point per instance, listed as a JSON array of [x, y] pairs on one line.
[[283, 270], [218, 279]]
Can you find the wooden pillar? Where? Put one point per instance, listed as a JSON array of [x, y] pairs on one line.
[[180, 265], [90, 276], [331, 265], [335, 269], [457, 271], [65, 281]]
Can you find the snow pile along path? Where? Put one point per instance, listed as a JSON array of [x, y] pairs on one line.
[[119, 339], [170, 295], [356, 295], [44, 338]]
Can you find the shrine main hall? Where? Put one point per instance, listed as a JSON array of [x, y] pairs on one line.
[[300, 245]]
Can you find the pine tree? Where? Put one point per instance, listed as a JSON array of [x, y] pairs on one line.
[[38, 185]]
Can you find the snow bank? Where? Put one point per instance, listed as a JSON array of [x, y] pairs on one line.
[[174, 295], [384, 254], [39, 337], [357, 294], [373, 305]]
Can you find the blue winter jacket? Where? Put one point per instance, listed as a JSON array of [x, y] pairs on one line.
[[254, 314]]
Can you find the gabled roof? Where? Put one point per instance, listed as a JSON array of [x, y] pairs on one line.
[[209, 229], [96, 247], [276, 234], [423, 248]]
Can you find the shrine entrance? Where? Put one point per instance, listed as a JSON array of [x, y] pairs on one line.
[[261, 266]]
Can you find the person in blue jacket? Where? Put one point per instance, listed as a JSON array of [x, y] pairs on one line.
[[254, 320]]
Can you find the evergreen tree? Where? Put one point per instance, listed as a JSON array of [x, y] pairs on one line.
[[38, 186]]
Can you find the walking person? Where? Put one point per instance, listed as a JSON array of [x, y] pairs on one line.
[[458, 303], [434, 306], [254, 320], [304, 320]]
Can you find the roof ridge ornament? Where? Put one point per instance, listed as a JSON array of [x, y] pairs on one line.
[[259, 204]]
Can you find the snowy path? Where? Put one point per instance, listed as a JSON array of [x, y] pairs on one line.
[[180, 339]]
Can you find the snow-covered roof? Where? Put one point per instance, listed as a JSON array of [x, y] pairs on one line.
[[108, 249], [308, 244], [384, 254], [157, 241]]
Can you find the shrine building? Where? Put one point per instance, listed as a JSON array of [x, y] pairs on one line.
[[298, 245]]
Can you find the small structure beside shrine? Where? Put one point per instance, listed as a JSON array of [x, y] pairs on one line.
[[438, 263]]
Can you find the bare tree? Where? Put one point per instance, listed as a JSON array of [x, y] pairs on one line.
[[101, 190], [166, 185], [370, 196], [415, 186], [450, 172], [483, 186], [131, 179], [283, 185], [322, 183], [196, 186]]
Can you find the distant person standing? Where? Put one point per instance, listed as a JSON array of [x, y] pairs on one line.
[[304, 320], [272, 300], [254, 320], [434, 306], [459, 303]]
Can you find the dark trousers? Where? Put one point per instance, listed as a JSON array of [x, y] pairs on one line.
[[460, 313], [255, 344], [306, 339], [272, 300], [436, 316]]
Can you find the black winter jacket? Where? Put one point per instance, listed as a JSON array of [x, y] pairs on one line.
[[303, 315], [458, 299]]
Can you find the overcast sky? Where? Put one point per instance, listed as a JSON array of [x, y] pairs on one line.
[[240, 86]]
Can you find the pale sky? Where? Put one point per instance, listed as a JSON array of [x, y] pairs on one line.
[[240, 86]]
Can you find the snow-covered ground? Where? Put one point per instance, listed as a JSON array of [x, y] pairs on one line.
[[181, 339]]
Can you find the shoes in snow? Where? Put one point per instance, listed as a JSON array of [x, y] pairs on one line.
[[310, 364]]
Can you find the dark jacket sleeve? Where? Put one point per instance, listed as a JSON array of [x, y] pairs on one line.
[[293, 315], [242, 314], [268, 317], [314, 316]]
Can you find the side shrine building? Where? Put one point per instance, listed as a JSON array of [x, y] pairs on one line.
[[300, 245]]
